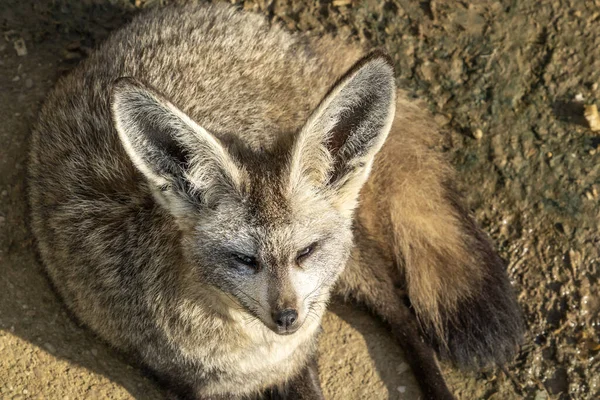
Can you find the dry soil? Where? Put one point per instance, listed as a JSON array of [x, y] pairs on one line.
[[507, 80]]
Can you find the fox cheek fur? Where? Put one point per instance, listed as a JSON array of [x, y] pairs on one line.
[[198, 192]]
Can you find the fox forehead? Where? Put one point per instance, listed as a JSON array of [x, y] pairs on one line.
[[266, 219], [276, 241], [269, 226]]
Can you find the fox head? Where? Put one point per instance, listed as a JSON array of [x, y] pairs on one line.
[[271, 230]]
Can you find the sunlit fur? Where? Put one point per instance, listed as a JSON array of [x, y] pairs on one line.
[[265, 140]]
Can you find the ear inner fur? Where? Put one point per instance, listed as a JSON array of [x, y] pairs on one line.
[[336, 147], [168, 147]]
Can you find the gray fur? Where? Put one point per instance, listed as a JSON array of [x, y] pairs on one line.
[[197, 136]]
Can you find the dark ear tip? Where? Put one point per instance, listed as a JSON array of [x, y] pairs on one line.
[[378, 54], [125, 82]]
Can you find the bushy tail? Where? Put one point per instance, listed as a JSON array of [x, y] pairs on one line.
[[456, 282]]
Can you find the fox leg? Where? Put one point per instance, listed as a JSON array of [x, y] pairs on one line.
[[368, 279]]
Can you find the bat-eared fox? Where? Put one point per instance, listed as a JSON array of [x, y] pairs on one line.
[[206, 181]]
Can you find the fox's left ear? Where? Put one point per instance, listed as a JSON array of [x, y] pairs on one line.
[[334, 151]]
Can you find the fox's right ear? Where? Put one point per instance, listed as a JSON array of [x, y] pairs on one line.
[[172, 151]]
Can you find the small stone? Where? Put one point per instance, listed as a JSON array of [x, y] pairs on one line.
[[71, 55], [95, 352], [16, 78], [548, 353], [457, 69], [478, 134], [20, 47], [592, 116], [559, 382], [441, 120], [50, 348], [401, 389], [541, 395], [429, 71], [28, 83], [402, 368]]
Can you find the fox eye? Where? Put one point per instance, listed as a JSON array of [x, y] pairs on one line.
[[248, 261], [307, 251]]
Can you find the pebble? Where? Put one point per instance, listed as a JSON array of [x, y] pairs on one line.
[[402, 368], [478, 134], [441, 120], [28, 83], [541, 395], [593, 117], [559, 382], [429, 71], [20, 47], [457, 69], [50, 348]]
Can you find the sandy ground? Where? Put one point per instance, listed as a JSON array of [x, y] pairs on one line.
[[507, 80]]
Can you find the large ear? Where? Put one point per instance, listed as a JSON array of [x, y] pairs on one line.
[[174, 153], [335, 149]]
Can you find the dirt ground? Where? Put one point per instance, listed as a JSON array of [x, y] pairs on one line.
[[508, 81]]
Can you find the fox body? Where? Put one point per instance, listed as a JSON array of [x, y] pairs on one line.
[[205, 181]]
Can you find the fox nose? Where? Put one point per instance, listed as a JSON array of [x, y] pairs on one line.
[[286, 318]]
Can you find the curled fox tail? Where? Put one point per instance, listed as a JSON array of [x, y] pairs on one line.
[[455, 281]]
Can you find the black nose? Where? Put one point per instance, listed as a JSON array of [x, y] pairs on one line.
[[286, 318]]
